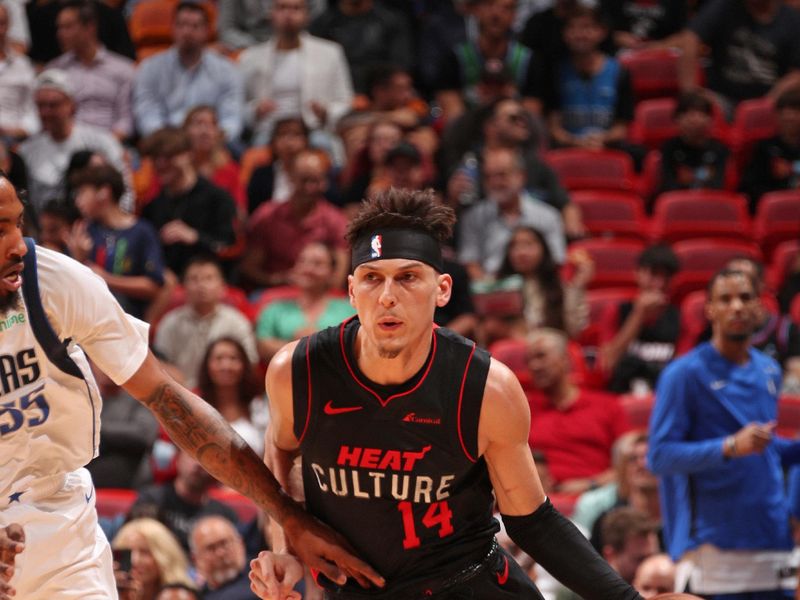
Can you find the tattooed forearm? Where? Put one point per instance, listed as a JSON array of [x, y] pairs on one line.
[[201, 431]]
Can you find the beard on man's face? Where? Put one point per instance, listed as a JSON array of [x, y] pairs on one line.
[[10, 301]]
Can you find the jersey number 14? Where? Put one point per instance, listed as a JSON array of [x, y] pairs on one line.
[[438, 515]]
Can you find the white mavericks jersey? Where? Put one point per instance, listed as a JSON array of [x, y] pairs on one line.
[[49, 401]]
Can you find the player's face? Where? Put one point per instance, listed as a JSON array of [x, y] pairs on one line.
[[12, 246], [395, 300], [732, 307]]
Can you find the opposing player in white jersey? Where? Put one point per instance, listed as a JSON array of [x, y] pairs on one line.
[[53, 313]]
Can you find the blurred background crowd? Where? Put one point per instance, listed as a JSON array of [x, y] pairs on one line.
[[604, 158]]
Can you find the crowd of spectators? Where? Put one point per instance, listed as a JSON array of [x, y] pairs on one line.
[[205, 164]]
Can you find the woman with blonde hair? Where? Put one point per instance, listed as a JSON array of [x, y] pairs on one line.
[[157, 558]]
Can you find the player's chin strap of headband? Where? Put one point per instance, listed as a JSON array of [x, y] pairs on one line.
[[413, 244]]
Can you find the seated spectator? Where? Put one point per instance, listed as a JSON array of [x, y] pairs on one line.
[[227, 382], [185, 332], [294, 74], [575, 428], [629, 538], [369, 33], [592, 102], [755, 50], [55, 224], [271, 182], [18, 117], [636, 25], [157, 559], [169, 84], [277, 232], [179, 503], [547, 300], [119, 247], [245, 23], [463, 65], [102, 80], [633, 485], [367, 168], [391, 95], [440, 31], [655, 575], [638, 337], [178, 591], [693, 159], [219, 555], [507, 125], [486, 227], [127, 435], [191, 214], [316, 307], [111, 28], [47, 153], [775, 164], [211, 158]]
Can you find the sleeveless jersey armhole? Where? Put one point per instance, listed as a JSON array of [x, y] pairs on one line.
[[470, 400], [301, 388]]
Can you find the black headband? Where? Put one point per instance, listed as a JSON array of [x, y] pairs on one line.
[[413, 244]]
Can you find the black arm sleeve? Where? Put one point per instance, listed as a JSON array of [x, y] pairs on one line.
[[555, 543]]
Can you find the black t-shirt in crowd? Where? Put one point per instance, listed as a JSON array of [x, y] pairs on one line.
[[747, 57], [687, 167], [775, 165], [646, 19]]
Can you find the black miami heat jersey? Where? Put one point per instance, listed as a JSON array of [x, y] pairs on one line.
[[395, 469]]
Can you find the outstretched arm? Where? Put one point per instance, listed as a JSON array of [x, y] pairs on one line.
[[201, 431], [530, 519]]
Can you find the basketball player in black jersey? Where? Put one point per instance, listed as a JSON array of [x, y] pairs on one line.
[[408, 433]]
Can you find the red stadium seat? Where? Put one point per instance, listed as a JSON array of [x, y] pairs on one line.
[[580, 169], [609, 213], [614, 261], [789, 417], [653, 71], [794, 309], [693, 320], [687, 214], [599, 300], [650, 179], [564, 503], [512, 352], [112, 502], [701, 258], [638, 408], [753, 120], [654, 123], [777, 219], [783, 259]]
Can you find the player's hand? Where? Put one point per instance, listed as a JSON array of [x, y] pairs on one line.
[[273, 576], [753, 438], [320, 548], [12, 542]]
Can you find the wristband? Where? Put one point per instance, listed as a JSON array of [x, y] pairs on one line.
[[729, 446]]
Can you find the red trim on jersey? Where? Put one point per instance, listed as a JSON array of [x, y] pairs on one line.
[[383, 402], [308, 371], [460, 398]]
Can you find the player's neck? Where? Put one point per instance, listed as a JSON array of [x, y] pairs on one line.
[[736, 351], [391, 371]]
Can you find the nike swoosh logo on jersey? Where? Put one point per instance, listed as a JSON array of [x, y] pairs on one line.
[[503, 577], [719, 384], [330, 409], [89, 497]]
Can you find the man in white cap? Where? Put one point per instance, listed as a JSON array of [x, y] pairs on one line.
[[47, 153]]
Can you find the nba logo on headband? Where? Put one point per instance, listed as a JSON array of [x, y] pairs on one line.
[[376, 245]]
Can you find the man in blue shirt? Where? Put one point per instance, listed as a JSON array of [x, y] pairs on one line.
[[725, 511]]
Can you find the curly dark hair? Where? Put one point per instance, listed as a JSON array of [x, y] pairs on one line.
[[248, 386], [406, 208], [547, 274]]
